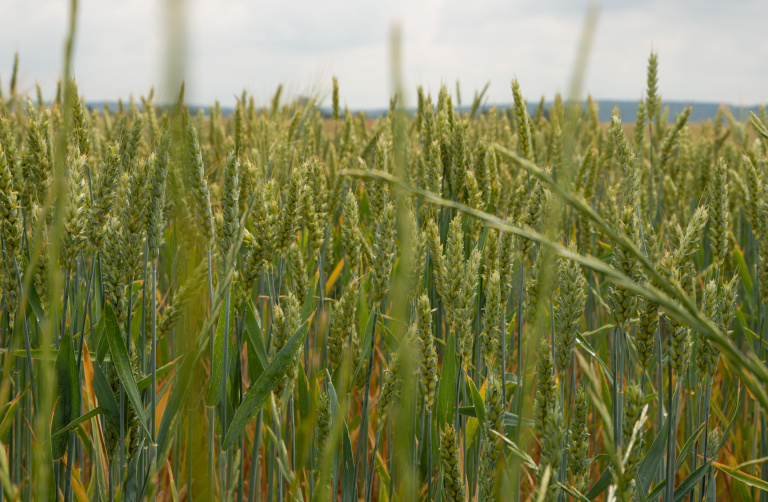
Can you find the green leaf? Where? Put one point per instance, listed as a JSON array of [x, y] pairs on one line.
[[727, 431], [602, 483], [691, 481], [217, 374], [756, 461], [511, 420], [446, 393], [654, 495], [641, 497], [303, 388], [163, 370], [650, 464], [572, 492], [257, 353], [122, 364], [259, 392], [366, 347], [526, 459], [309, 302], [348, 468], [69, 395], [751, 333], [390, 340], [175, 403], [106, 397], [134, 487], [711, 488], [687, 447], [36, 354], [581, 342], [100, 468], [36, 305], [10, 415], [477, 400], [102, 344], [362, 308], [743, 268], [79, 420], [743, 477]]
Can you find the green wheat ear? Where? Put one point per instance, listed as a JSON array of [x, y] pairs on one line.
[[350, 231], [706, 354], [453, 483], [719, 215], [291, 211], [390, 390], [523, 127], [578, 448], [323, 424], [286, 322], [646, 332], [383, 254], [428, 370], [493, 318], [639, 129], [342, 325], [74, 220], [11, 235], [335, 99], [570, 309], [673, 136], [200, 197], [653, 101], [155, 217], [546, 390], [491, 443], [315, 206], [632, 410], [299, 278]]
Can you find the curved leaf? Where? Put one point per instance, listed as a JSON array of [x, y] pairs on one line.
[[69, 395], [79, 420], [691, 481], [106, 397], [477, 400], [650, 464], [512, 420], [163, 370], [687, 447], [10, 415], [743, 476], [348, 468], [259, 392], [175, 403], [602, 483], [122, 363], [217, 374], [257, 353]]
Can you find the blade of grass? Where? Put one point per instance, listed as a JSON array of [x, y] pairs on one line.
[[122, 364], [259, 392]]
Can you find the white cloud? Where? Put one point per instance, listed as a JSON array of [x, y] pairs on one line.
[[708, 50]]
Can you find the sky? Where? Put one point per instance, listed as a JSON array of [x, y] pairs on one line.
[[709, 51]]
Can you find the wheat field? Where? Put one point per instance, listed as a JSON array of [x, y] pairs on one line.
[[452, 304]]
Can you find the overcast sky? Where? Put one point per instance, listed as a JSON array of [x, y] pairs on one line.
[[708, 50]]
